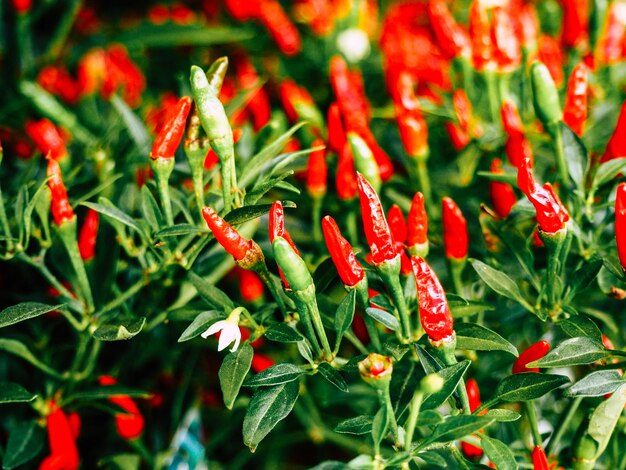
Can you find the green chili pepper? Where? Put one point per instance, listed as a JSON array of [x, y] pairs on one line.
[[364, 161], [292, 266], [545, 95], [216, 73]]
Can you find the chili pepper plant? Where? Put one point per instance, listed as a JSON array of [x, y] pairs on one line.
[[330, 234]]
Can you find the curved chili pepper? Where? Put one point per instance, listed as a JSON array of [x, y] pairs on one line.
[[616, 147], [336, 133], [349, 269], [480, 36], [455, 239], [503, 196], [237, 246], [88, 235], [540, 460], [575, 25], [130, 424], [620, 223], [62, 441], [451, 38], [60, 205], [122, 72], [317, 171], [473, 395], [171, 133], [22, 7], [417, 226], [507, 50], [551, 214], [530, 354], [435, 314], [281, 28], [397, 224], [293, 96], [345, 178], [277, 225], [46, 137], [413, 133], [458, 137], [575, 109], [375, 225]]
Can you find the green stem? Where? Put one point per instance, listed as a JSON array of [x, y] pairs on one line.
[[459, 458], [303, 312], [562, 426], [397, 293], [63, 30], [24, 42], [227, 169], [370, 323], [197, 176], [456, 269], [316, 217], [385, 398], [6, 228], [127, 294], [319, 327], [492, 93], [351, 225], [561, 162], [423, 178], [356, 342], [67, 232], [269, 281], [146, 455], [416, 404], [450, 359], [162, 168], [531, 415]]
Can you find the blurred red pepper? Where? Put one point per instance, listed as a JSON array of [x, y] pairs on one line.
[[250, 285], [59, 206], [292, 96], [342, 254], [158, 14], [528, 29], [417, 226], [377, 231], [62, 441], [458, 137], [316, 171], [609, 47], [345, 178], [575, 22], [480, 36], [551, 214], [182, 14], [398, 228], [242, 10], [434, 312], [336, 132], [503, 195], [575, 109], [507, 49], [47, 138], [530, 354], [620, 223], [470, 451], [616, 147], [130, 424], [517, 147], [58, 81], [317, 14], [22, 7], [237, 246], [551, 55], [260, 362], [122, 73], [455, 239], [91, 71], [281, 28], [451, 38], [259, 104], [88, 235], [540, 460], [170, 135]]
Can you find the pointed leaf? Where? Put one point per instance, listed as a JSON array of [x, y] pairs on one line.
[[345, 314], [119, 332], [609, 170], [383, 317], [14, 393], [358, 426], [575, 155], [332, 375], [528, 386], [452, 376], [572, 352], [200, 324], [503, 415], [275, 375], [17, 348], [215, 297], [596, 384], [26, 441], [456, 427], [497, 280], [283, 333], [580, 325], [605, 417], [24, 311], [380, 424], [246, 213], [478, 338], [499, 453], [233, 371]]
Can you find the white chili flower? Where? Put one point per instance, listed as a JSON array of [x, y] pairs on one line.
[[354, 44], [229, 331]]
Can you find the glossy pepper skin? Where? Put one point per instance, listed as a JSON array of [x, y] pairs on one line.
[[375, 225], [276, 228], [292, 266], [349, 269], [397, 225], [237, 246], [503, 195], [88, 234], [46, 137], [540, 460], [616, 146], [620, 223], [171, 133], [455, 239], [417, 225], [281, 28], [532, 353], [473, 395], [575, 109], [336, 133], [551, 214], [345, 178], [317, 171], [545, 95], [480, 36], [517, 147], [130, 424], [435, 314], [63, 451], [60, 205]]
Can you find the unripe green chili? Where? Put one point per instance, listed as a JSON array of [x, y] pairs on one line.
[[545, 95], [293, 267], [216, 73], [364, 161]]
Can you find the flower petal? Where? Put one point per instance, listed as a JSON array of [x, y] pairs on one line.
[[214, 328]]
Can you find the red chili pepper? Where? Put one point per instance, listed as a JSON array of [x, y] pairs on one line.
[[316, 171], [540, 460], [345, 178], [575, 109], [397, 224], [473, 395], [417, 226], [336, 132], [58, 81], [293, 96], [182, 14], [575, 23], [260, 362], [480, 36], [610, 44], [451, 38], [250, 285], [462, 108], [342, 254], [158, 14], [242, 10], [280, 27], [507, 50], [131, 423], [171, 133], [551, 55], [88, 235], [59, 205], [276, 228], [435, 314], [458, 137], [502, 195], [377, 231], [532, 353], [620, 223], [259, 104], [22, 6], [237, 246], [551, 214], [517, 146], [46, 137], [63, 451], [616, 147], [413, 132], [73, 419], [528, 26], [455, 239], [403, 92], [91, 71], [122, 72]]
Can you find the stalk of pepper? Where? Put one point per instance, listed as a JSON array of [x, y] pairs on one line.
[[483, 51], [250, 285], [503, 195], [46, 137], [88, 235], [455, 240], [517, 147], [129, 425], [417, 227], [616, 146], [63, 450], [620, 223], [345, 178], [575, 109]]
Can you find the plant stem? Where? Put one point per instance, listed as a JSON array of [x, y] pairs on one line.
[[423, 178], [385, 400], [308, 326], [492, 93], [67, 232], [5, 225], [561, 163], [562, 426], [370, 324], [316, 216], [164, 194], [65, 26], [269, 281], [416, 404], [319, 327], [392, 280], [127, 294], [531, 415]]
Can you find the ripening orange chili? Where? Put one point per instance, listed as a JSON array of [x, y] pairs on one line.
[[349, 269], [540, 460], [62, 441], [59, 205], [413, 133], [620, 223], [171, 133], [455, 239], [616, 147], [532, 353], [237, 246], [551, 55], [451, 38], [417, 225], [46, 137], [575, 109], [345, 178], [88, 234], [336, 133], [130, 424], [503, 195], [316, 171]]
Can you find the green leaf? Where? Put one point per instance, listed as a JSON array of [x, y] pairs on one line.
[[119, 332], [41, 195], [605, 417], [498, 281], [267, 407], [429, 418], [24, 311], [19, 349], [580, 326], [609, 170], [26, 441], [200, 324], [452, 376], [584, 276], [432, 458], [107, 208], [14, 393], [503, 415], [333, 376], [263, 185], [463, 308], [275, 375], [233, 371], [456, 427], [283, 333], [528, 386], [150, 209], [380, 425], [134, 125], [181, 229], [383, 317], [121, 462], [216, 298], [246, 213], [107, 391], [344, 315], [473, 337], [358, 426], [575, 155], [572, 352], [172, 35], [499, 453], [596, 384]]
